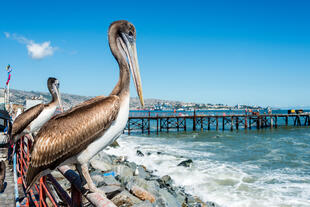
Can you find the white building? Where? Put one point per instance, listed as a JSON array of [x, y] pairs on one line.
[[32, 102]]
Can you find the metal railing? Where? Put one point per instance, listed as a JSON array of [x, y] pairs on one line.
[[48, 192]]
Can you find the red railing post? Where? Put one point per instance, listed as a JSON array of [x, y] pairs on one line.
[[76, 197], [21, 156], [42, 193]]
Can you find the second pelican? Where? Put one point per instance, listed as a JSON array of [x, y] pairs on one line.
[[33, 119]]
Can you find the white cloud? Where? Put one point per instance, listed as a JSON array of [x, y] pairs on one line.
[[35, 50], [39, 51], [7, 35]]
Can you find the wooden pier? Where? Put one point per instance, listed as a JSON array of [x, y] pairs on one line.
[[152, 122], [7, 196]]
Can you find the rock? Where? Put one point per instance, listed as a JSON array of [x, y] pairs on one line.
[[148, 154], [150, 186], [193, 201], [168, 199], [61, 180], [167, 180], [120, 159], [110, 180], [132, 165], [143, 167], [144, 204], [114, 144], [97, 178], [180, 198], [111, 191], [160, 202], [101, 165], [144, 184], [57, 175], [125, 199], [104, 157], [211, 204], [139, 153], [123, 171], [142, 194], [190, 201], [186, 163], [140, 171]]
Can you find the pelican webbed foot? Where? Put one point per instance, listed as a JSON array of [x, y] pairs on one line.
[[87, 181]]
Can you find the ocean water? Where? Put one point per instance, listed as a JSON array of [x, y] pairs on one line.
[[245, 168]]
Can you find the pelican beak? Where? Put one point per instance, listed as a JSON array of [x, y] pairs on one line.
[[134, 65], [59, 97]]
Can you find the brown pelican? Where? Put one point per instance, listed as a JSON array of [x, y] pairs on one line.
[[75, 136], [33, 119]]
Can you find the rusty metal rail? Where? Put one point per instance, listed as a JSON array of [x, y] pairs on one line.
[[48, 192]]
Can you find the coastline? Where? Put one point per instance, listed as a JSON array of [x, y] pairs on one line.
[[129, 184]]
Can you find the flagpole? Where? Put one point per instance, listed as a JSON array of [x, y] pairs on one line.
[[7, 90]]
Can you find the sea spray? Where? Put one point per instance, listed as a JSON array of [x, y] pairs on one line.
[[254, 168]]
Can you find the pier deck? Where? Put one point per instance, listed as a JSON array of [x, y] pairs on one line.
[[157, 122], [7, 196]]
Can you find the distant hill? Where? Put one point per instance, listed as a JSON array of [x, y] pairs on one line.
[[69, 100]]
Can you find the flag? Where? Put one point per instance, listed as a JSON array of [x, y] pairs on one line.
[[9, 69]]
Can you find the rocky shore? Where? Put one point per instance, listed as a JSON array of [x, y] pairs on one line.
[[128, 184]]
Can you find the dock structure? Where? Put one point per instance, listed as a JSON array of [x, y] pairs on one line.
[[7, 196], [161, 122], [48, 191]]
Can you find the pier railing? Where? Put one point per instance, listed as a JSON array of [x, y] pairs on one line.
[[147, 122], [48, 192]]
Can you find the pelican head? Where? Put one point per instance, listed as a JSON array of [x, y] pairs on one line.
[[126, 43], [53, 87]]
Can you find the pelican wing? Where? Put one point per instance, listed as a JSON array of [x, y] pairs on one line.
[[89, 101], [24, 119], [67, 134]]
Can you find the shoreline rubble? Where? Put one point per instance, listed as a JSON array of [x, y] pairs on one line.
[[129, 184]]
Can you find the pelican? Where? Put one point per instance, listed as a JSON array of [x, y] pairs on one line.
[[74, 137], [33, 119]]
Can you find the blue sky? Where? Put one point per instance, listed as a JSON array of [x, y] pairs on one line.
[[247, 52]]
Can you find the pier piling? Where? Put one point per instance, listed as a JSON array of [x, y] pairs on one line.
[[175, 122]]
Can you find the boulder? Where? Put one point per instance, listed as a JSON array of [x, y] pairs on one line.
[[140, 171], [123, 170], [139, 153], [144, 204], [150, 186], [114, 144], [101, 165], [104, 157], [142, 194], [186, 163], [160, 202], [193, 201], [211, 204], [125, 199], [120, 159], [166, 180], [132, 165], [168, 198], [110, 180], [97, 178], [111, 191]]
